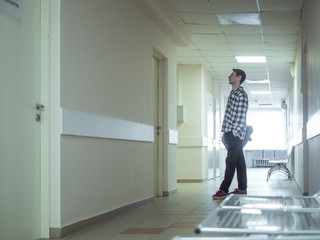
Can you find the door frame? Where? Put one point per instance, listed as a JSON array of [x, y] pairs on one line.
[[158, 115], [217, 138], [210, 157], [45, 117]]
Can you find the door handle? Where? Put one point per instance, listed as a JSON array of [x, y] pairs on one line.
[[158, 130], [38, 117], [39, 106]]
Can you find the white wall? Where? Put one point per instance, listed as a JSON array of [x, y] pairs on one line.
[[311, 36], [190, 157], [194, 84], [295, 119], [304, 108], [106, 50]]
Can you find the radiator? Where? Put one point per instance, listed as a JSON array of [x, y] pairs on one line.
[[262, 163]]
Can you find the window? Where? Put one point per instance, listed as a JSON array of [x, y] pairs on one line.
[[269, 129]]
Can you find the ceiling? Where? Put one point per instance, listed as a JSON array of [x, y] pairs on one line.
[[215, 45]]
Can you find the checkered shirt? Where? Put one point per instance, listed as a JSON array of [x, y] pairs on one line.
[[236, 113]]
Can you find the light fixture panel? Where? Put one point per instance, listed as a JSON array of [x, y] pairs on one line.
[[239, 19], [251, 59], [257, 81]]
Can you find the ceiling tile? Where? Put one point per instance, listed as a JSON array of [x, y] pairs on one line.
[[221, 60], [223, 72], [244, 38], [258, 76], [280, 46], [208, 38], [281, 17], [254, 68], [268, 38], [244, 52], [280, 29], [253, 75], [199, 18], [280, 59], [280, 5], [215, 46], [284, 83], [190, 47], [280, 53], [217, 53], [258, 86], [279, 65], [223, 67], [210, 46], [281, 75], [241, 29], [255, 72], [247, 46], [234, 6], [204, 28], [200, 6]]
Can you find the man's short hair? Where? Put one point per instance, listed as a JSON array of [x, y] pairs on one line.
[[241, 73]]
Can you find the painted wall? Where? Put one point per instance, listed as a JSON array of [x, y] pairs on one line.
[[295, 120], [304, 107], [295, 105], [194, 84], [311, 36], [106, 50]]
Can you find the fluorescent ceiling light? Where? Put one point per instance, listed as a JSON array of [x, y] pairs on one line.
[[239, 18], [260, 92], [257, 81], [251, 59]]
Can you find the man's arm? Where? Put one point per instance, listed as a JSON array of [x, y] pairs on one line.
[[241, 114]]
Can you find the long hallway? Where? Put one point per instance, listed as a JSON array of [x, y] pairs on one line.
[[179, 214]]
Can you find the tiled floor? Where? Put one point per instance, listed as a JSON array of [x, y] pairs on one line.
[[179, 214]]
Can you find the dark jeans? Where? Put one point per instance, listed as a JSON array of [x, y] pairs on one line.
[[235, 160]]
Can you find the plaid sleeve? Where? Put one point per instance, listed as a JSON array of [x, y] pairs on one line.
[[240, 111]]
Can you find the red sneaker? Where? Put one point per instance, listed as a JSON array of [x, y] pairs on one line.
[[220, 194], [238, 191]]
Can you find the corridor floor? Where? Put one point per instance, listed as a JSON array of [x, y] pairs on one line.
[[179, 214]]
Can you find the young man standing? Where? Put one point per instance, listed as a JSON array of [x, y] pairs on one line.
[[234, 132]]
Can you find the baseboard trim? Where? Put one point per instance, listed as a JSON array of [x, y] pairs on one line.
[[72, 228], [190, 180], [169, 193]]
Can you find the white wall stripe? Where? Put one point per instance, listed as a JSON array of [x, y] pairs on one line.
[[91, 125], [313, 125], [173, 137], [297, 138]]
